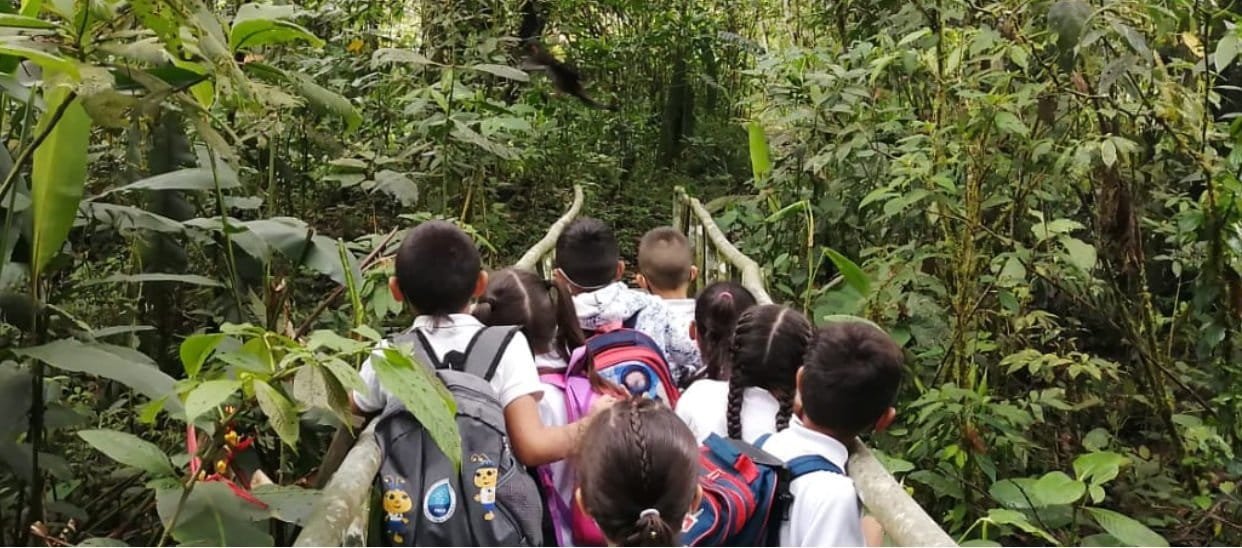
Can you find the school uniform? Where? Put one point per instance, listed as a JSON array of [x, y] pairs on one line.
[[826, 509], [682, 309], [515, 376], [704, 408], [553, 413]]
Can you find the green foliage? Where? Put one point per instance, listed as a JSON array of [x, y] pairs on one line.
[[423, 394]]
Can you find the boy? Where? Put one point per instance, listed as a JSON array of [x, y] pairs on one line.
[[588, 260], [848, 385], [438, 272], [666, 269]]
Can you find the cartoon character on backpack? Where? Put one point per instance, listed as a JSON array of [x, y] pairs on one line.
[[396, 504], [485, 477]]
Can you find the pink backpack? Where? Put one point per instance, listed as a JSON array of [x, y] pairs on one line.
[[626, 358]]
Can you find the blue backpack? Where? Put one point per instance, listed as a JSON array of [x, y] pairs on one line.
[[745, 493]]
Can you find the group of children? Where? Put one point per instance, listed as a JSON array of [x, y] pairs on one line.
[[758, 373]]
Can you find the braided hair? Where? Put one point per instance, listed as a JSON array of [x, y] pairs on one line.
[[767, 350], [636, 467], [716, 311]]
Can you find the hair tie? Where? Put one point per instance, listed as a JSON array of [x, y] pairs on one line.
[[725, 295], [649, 512]]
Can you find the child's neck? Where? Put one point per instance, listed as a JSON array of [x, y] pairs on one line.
[[844, 439], [681, 292]]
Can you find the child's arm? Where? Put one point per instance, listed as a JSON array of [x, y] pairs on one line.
[[681, 350], [534, 443]]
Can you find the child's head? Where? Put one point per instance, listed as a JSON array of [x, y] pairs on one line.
[[587, 255], [438, 269], [637, 469], [665, 264], [850, 378], [768, 345], [544, 310], [716, 310]]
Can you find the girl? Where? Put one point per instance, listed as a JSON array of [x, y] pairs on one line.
[[716, 310], [764, 357], [545, 311], [637, 471]]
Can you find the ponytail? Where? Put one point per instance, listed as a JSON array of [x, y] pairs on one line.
[[483, 310], [716, 312], [569, 336], [785, 412], [650, 530], [733, 411]]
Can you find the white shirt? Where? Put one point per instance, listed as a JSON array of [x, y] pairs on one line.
[[552, 412], [825, 509], [683, 309], [515, 374], [704, 408]]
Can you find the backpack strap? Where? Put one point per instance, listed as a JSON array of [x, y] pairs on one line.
[[422, 347], [762, 440], [806, 464], [486, 349]]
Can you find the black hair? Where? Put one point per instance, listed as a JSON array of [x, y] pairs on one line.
[[664, 258], [437, 268], [716, 311], [587, 253], [637, 469], [768, 346], [851, 376]]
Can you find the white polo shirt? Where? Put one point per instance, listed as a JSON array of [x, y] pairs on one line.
[[704, 408], [515, 376], [825, 509]]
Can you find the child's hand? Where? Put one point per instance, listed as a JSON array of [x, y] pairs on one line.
[[601, 403]]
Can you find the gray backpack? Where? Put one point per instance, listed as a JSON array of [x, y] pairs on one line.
[[492, 501]]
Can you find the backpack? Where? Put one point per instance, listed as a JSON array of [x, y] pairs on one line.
[[745, 493], [491, 500], [618, 353]]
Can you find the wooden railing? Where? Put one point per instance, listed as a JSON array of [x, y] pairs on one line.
[[341, 518], [905, 523]]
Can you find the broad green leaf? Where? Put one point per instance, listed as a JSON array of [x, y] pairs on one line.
[[1125, 529], [1014, 272], [195, 349], [15, 21], [212, 516], [383, 56], [155, 277], [49, 62], [1004, 516], [423, 394], [848, 269], [397, 185], [503, 71], [1096, 440], [1226, 51], [1108, 153], [1099, 468], [30, 8], [130, 450], [314, 387], [263, 25], [1015, 493], [196, 178], [1057, 488], [1080, 253], [1067, 18], [279, 411], [346, 374], [326, 101], [208, 395], [102, 541], [58, 176], [760, 157], [128, 218], [288, 503], [94, 359], [1008, 122]]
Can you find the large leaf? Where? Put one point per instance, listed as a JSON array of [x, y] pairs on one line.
[[1015, 493], [95, 359], [1099, 468], [208, 395], [325, 100], [195, 349], [212, 516], [130, 450], [49, 62], [850, 271], [280, 412], [155, 277], [12, 20], [263, 25], [397, 185], [1068, 18], [1057, 488], [1080, 253], [195, 178], [1125, 529], [58, 176], [760, 157], [127, 218], [423, 394], [503, 71], [1004, 516], [288, 503]]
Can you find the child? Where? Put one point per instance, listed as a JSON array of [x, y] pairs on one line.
[[848, 385], [438, 272], [637, 473], [545, 311], [666, 269], [767, 351], [588, 261], [715, 317]]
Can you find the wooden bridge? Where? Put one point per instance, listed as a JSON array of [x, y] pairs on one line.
[[342, 518]]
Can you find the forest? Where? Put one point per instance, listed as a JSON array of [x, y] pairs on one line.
[[1038, 199]]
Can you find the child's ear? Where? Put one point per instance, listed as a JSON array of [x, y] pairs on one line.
[[694, 331], [694, 273], [797, 403], [578, 500], [698, 498], [886, 419], [620, 271], [480, 285], [641, 282], [395, 289]]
